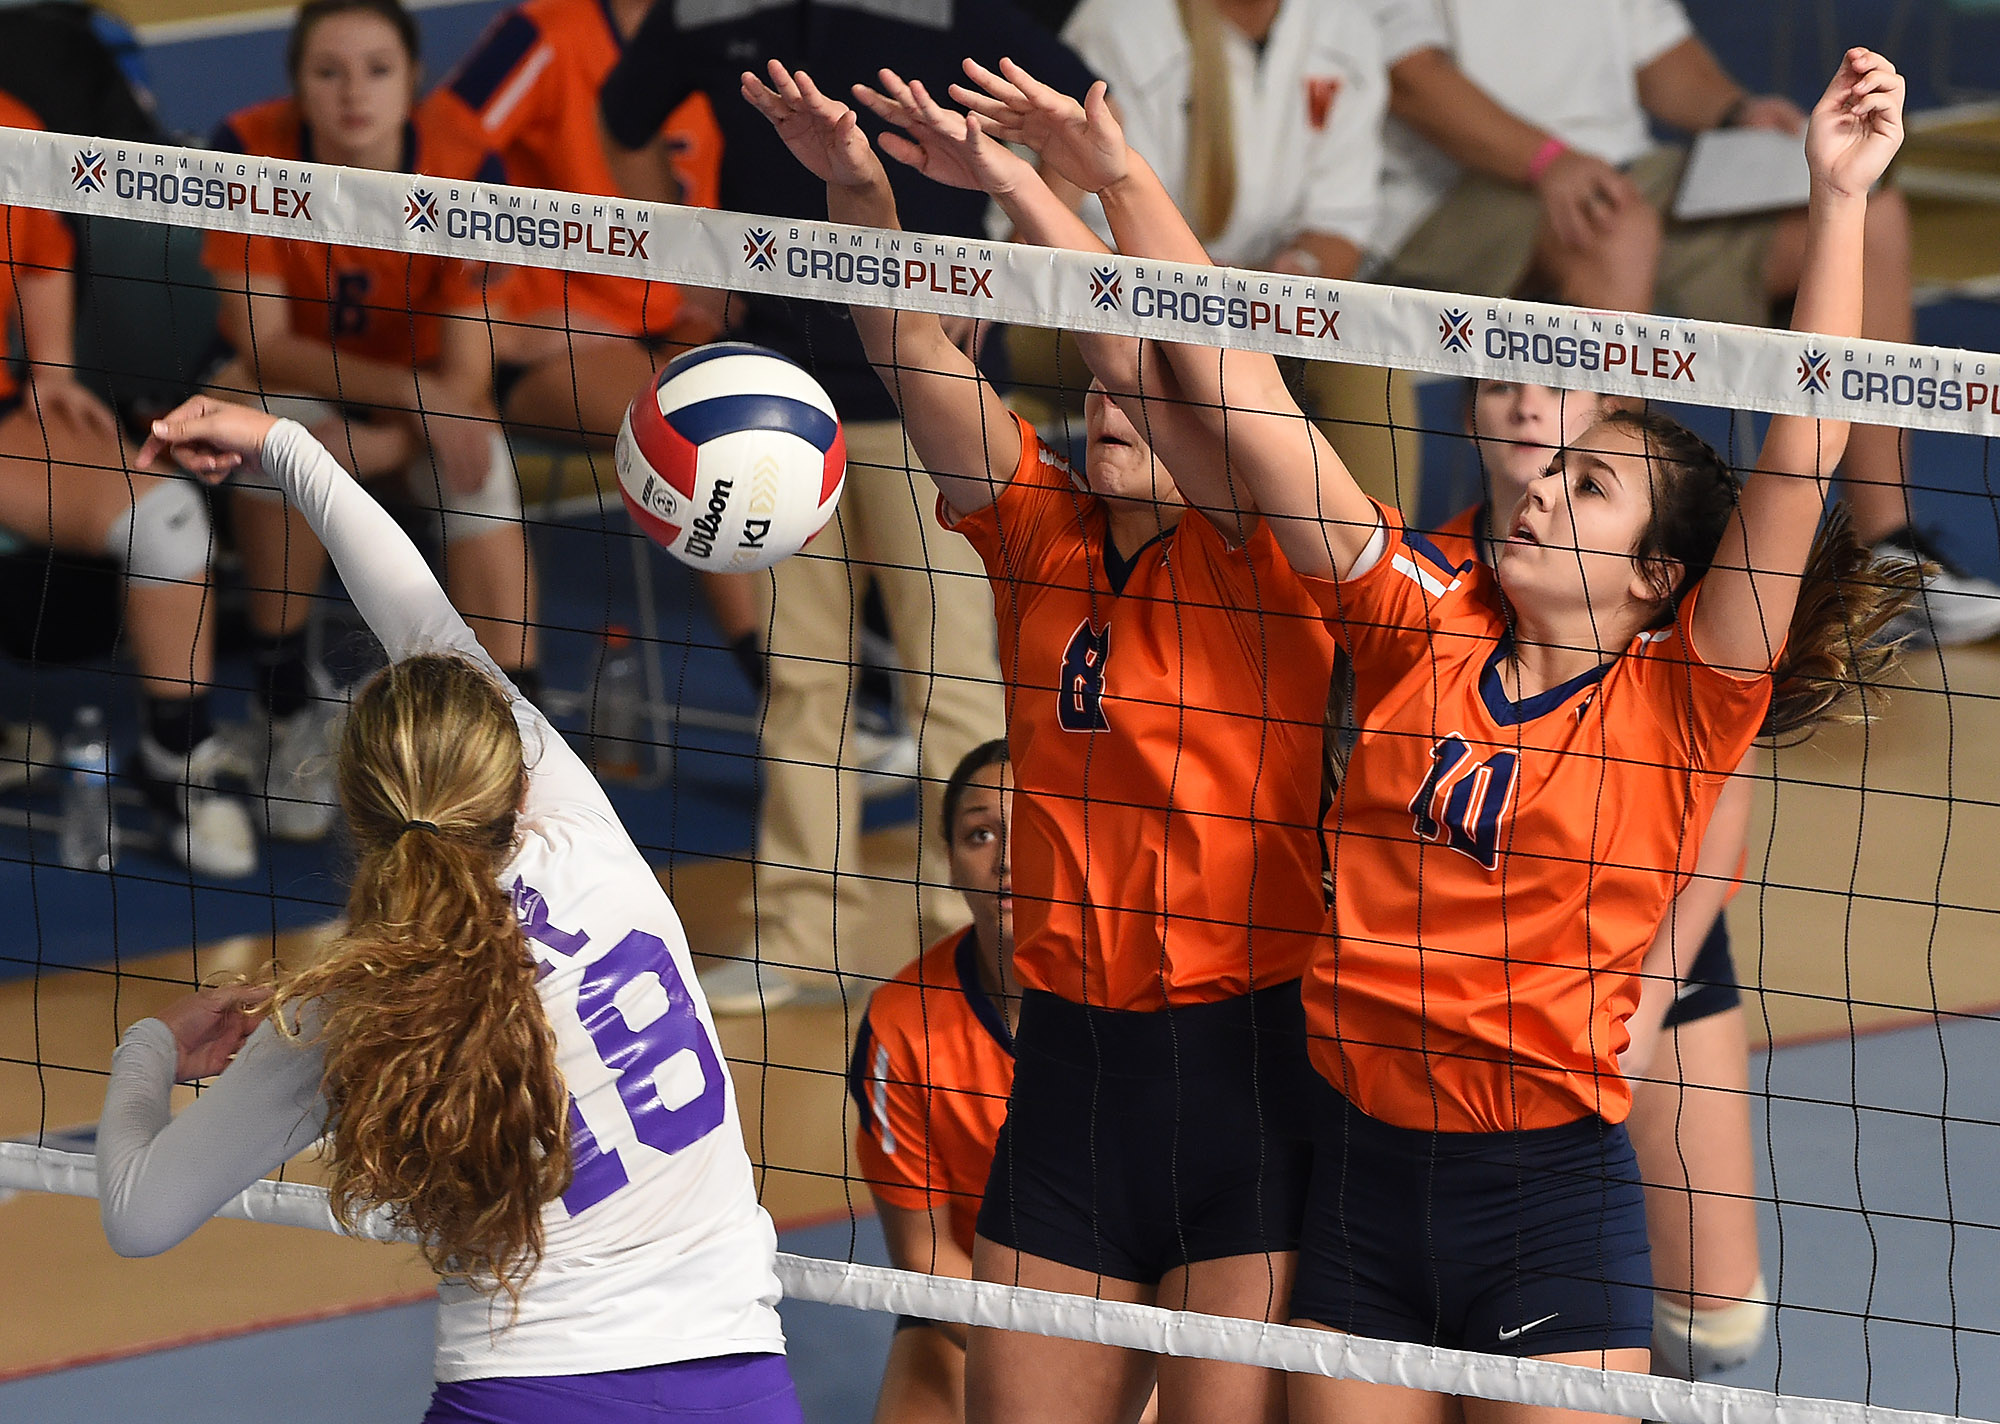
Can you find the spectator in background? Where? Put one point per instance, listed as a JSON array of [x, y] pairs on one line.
[[573, 348], [1264, 120], [384, 358], [934, 590], [64, 483], [1520, 160]]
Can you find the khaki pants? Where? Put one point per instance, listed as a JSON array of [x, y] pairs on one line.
[[809, 875]]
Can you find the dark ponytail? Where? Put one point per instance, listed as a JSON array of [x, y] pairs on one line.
[[1837, 643]]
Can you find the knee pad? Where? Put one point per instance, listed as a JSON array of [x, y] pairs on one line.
[[163, 535], [1694, 1344], [475, 512]]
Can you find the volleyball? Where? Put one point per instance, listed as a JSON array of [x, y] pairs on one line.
[[732, 458]]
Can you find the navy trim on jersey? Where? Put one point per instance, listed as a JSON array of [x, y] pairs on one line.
[[983, 1008], [1117, 569], [1509, 713], [857, 1073], [611, 25], [1418, 544], [479, 78], [491, 169], [225, 138]]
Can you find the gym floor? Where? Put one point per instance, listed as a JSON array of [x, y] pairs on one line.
[[1869, 925]]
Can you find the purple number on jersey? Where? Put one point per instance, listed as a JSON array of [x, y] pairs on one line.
[[636, 1009]]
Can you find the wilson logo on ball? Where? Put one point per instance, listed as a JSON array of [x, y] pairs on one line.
[[732, 459]]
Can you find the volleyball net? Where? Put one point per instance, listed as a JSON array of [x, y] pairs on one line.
[[1863, 902]]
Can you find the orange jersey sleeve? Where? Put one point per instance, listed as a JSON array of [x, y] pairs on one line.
[[1500, 867], [1166, 722], [529, 90], [1458, 538], [932, 1068], [37, 240]]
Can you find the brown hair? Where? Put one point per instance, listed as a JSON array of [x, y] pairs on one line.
[[443, 1095], [1836, 644], [1211, 121], [313, 11]]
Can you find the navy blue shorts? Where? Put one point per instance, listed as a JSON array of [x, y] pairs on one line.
[[1709, 987], [1137, 1143], [1509, 1243]]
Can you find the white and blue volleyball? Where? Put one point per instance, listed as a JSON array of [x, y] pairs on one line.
[[732, 459]]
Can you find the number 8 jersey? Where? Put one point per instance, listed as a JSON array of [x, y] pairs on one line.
[[1500, 867]]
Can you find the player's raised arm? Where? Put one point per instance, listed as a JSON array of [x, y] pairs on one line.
[[954, 148], [1321, 518], [1752, 589], [967, 440]]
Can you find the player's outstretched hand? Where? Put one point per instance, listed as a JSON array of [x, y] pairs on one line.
[[821, 132], [208, 438], [1082, 142], [942, 144], [1857, 126], [210, 1025]]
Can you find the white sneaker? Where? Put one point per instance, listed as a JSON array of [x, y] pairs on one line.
[[298, 801], [740, 988], [886, 754], [1954, 608], [203, 827]]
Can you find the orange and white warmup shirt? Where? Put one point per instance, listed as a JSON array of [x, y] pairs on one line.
[[384, 306], [37, 241], [933, 1065], [1165, 725], [1500, 868], [528, 90]]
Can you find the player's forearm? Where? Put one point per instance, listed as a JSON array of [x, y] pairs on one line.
[[284, 362], [385, 575], [1430, 93], [1686, 88], [1828, 304], [48, 321]]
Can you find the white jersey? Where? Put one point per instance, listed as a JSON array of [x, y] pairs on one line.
[[1568, 66], [1306, 115], [658, 1252]]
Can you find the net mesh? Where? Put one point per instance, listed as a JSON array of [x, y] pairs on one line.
[[1864, 902]]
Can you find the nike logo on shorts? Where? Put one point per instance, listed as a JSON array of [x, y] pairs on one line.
[[1519, 1330]]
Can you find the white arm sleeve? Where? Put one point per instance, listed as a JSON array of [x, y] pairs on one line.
[[394, 588], [159, 1176]]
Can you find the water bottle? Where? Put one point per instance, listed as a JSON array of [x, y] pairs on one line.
[[89, 836], [617, 707]]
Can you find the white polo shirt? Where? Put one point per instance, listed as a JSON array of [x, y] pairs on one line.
[[1307, 115], [1568, 66]]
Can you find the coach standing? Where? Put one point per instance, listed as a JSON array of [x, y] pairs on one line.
[[808, 870]]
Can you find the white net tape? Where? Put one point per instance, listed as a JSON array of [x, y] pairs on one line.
[[1704, 363], [1136, 1327]]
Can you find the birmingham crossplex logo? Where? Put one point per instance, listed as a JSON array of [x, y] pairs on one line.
[[1455, 330], [760, 249], [1815, 373], [1106, 288], [86, 175], [420, 211]]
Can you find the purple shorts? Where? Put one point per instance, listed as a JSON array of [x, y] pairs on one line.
[[730, 1389]]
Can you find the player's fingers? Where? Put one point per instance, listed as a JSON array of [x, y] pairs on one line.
[[930, 111], [983, 104], [784, 82], [881, 105], [903, 150], [996, 85], [151, 453]]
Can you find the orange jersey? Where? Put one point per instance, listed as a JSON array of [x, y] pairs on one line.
[[1500, 868], [37, 241], [384, 306], [1166, 730], [1459, 538], [528, 90], [932, 1068]]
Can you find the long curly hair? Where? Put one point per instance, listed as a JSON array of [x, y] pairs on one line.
[[444, 1099], [1838, 642]]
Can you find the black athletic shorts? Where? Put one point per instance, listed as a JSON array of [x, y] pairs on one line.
[[1136, 1143], [1709, 986], [1509, 1243]]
